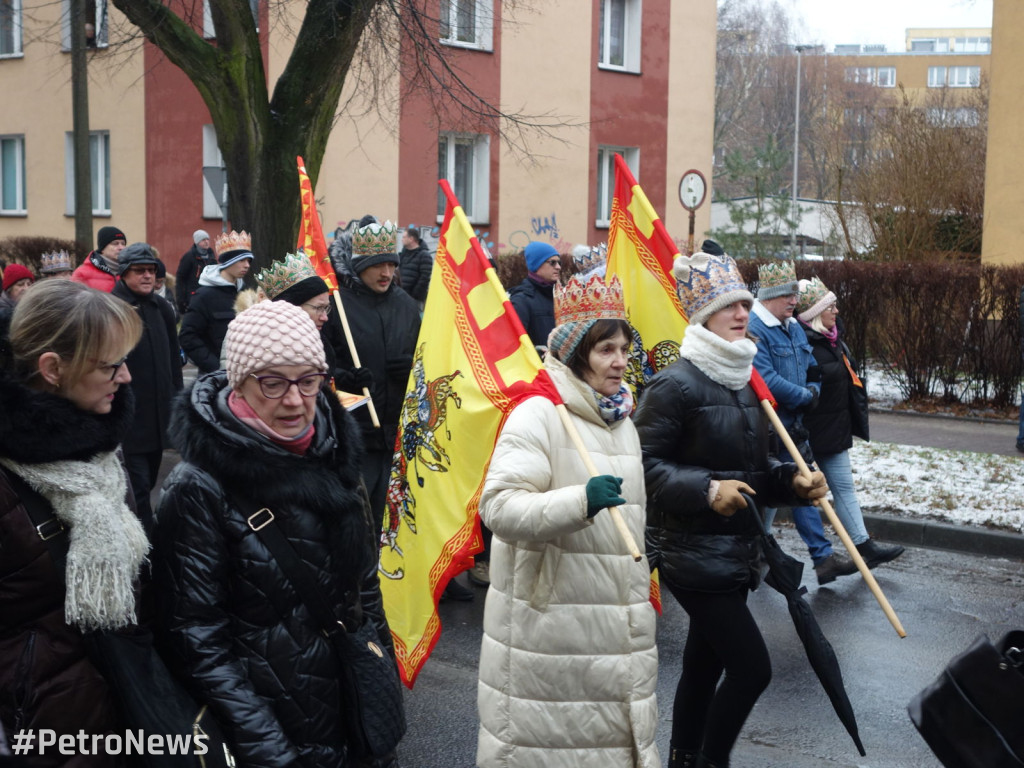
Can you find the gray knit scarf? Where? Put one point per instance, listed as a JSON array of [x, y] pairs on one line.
[[107, 545]]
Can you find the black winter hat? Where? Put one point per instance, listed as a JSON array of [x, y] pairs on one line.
[[107, 235], [712, 248], [137, 254]]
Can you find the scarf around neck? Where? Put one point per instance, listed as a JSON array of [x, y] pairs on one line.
[[614, 407], [245, 414], [725, 362]]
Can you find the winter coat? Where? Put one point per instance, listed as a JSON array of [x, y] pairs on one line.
[[415, 270], [385, 327], [186, 277], [783, 354], [568, 664], [96, 273], [155, 366], [6, 313], [205, 325], [694, 430], [46, 678], [233, 626], [840, 413], [535, 305]]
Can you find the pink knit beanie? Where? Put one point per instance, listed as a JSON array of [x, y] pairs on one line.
[[271, 333]]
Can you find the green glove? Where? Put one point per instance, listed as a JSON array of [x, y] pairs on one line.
[[603, 491]]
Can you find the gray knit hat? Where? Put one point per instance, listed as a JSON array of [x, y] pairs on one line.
[[271, 333]]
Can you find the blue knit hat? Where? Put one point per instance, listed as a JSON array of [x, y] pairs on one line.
[[537, 253]]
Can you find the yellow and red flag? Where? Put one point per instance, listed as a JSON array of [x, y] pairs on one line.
[[311, 233], [641, 253], [473, 364]]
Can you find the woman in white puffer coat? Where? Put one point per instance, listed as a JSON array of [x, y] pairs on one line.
[[568, 664]]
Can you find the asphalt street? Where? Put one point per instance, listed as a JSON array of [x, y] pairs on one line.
[[943, 432]]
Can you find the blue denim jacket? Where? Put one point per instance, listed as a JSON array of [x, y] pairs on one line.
[[783, 355]]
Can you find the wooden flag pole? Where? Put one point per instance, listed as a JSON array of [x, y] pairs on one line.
[[616, 514], [834, 520], [355, 355]]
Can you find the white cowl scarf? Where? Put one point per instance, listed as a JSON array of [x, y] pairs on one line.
[[728, 363]]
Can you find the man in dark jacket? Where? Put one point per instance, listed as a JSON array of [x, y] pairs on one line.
[[533, 299], [191, 266], [155, 368], [416, 265]]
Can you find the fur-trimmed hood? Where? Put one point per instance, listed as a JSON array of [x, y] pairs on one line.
[[37, 426]]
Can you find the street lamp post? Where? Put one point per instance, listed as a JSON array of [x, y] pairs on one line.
[[794, 212]]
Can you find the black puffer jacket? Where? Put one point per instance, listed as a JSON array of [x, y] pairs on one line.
[[535, 305], [205, 325], [415, 269], [839, 415], [231, 623]]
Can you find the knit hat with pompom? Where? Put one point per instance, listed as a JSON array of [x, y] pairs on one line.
[[268, 334]]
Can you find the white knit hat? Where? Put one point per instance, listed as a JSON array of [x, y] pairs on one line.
[[271, 333]]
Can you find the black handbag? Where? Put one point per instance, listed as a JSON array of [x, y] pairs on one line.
[[374, 708], [972, 716]]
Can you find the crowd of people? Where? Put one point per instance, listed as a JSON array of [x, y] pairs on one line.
[[273, 514]]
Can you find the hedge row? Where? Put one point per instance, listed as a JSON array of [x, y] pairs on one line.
[[27, 250]]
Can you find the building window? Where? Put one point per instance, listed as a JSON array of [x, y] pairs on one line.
[[99, 172], [964, 77], [208, 31], [10, 28], [953, 117], [620, 35], [467, 23], [929, 45], [886, 77], [211, 159], [464, 160], [972, 44], [936, 77], [606, 178], [12, 175], [860, 75], [95, 25]]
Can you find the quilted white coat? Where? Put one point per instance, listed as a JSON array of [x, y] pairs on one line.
[[568, 664]]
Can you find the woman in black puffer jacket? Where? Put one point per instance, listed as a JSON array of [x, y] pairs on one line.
[[231, 623], [705, 444]]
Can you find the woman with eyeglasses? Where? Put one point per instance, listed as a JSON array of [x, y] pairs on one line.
[[262, 441], [71, 546]]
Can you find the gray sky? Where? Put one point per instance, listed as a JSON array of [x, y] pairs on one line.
[[880, 21]]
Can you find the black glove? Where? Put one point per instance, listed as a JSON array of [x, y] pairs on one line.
[[353, 379], [811, 404], [399, 366], [603, 491], [814, 374]]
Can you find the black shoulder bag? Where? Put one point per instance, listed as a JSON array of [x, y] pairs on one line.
[[148, 697], [374, 716]]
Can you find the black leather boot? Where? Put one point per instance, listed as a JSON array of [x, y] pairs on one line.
[[679, 759], [876, 554], [703, 762]]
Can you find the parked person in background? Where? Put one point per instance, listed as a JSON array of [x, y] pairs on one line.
[[264, 434], [100, 268], [190, 268], [212, 307], [55, 264], [16, 280], [64, 410], [785, 362], [841, 413], [568, 663], [533, 298], [416, 265], [705, 442], [155, 363]]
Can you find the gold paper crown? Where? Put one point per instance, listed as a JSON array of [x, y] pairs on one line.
[[580, 302], [374, 239], [282, 275], [232, 241], [57, 261]]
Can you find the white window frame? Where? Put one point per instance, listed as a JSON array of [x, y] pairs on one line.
[[936, 77], [953, 117], [209, 33], [964, 77], [477, 204], [14, 32], [16, 169], [632, 18], [99, 170], [211, 157], [606, 178], [483, 24], [99, 21], [886, 77]]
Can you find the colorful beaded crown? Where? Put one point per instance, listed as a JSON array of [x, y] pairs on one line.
[[776, 278], [232, 241], [580, 302], [707, 283], [374, 239], [815, 298], [57, 261], [282, 275]]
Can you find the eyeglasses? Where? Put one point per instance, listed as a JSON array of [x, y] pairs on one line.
[[833, 309], [276, 387], [318, 309], [554, 262], [114, 367], [140, 270]]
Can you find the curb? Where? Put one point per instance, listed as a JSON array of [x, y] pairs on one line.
[[940, 416], [934, 535]]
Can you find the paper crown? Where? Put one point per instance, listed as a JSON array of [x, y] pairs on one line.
[[707, 283], [282, 275], [56, 261], [815, 297], [374, 239], [232, 241], [580, 302], [776, 278]]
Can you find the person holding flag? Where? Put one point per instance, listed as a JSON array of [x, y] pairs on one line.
[[705, 444], [568, 663]]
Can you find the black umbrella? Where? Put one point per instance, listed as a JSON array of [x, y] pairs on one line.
[[784, 574]]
